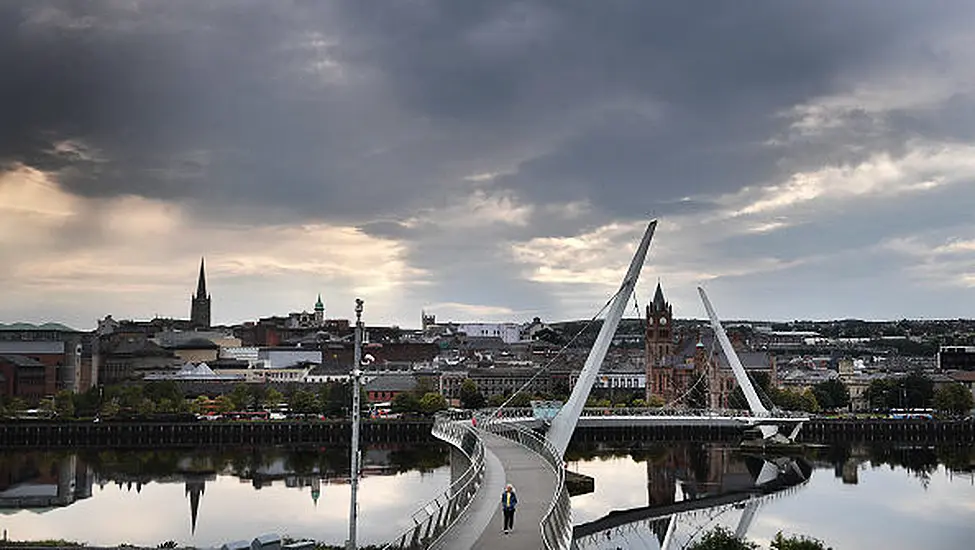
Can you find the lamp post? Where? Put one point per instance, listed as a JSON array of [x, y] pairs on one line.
[[356, 374]]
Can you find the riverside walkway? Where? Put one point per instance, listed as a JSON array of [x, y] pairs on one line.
[[534, 482]]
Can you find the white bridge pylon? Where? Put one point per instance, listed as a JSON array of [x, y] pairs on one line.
[[770, 430], [565, 421], [754, 403]]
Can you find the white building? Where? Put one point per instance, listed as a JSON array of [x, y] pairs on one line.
[[508, 332], [279, 358], [634, 380]]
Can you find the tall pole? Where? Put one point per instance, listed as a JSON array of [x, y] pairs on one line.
[[354, 470]]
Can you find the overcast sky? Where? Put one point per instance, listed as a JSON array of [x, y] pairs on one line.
[[486, 161]]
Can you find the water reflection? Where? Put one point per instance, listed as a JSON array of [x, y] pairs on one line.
[[41, 493], [694, 487], [688, 483]]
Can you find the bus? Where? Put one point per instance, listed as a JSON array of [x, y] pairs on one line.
[[911, 414]]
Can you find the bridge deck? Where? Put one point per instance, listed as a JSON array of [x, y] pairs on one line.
[[534, 482]]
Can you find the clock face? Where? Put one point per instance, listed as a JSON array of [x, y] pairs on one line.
[[663, 320]]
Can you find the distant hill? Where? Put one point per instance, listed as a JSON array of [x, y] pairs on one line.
[[30, 326]]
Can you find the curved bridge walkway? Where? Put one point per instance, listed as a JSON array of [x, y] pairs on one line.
[[534, 482]]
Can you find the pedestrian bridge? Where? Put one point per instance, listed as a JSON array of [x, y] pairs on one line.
[[505, 446]]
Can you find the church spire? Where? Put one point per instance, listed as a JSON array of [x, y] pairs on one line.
[[201, 284], [659, 303], [200, 303]]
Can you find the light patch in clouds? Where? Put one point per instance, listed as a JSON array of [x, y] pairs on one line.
[[134, 251], [923, 168], [593, 257], [483, 176], [29, 195], [479, 208]]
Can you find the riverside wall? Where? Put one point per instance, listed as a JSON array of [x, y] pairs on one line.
[[208, 433]]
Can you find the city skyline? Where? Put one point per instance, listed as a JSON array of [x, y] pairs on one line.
[[485, 162]]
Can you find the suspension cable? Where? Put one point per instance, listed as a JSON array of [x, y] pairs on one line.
[[558, 354]]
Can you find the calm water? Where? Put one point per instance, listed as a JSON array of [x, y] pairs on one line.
[[856, 496], [207, 498]]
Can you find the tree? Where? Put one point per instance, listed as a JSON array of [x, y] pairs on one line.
[[432, 402], [86, 403], [917, 391], [165, 389], [110, 408], [655, 401], [795, 543], [272, 398], [223, 404], [47, 405], [145, 407], [796, 400], [240, 397], [470, 396], [521, 399], [879, 394], [16, 405], [64, 404], [304, 402], [496, 400], [339, 399], [198, 405], [405, 402], [722, 539], [953, 399], [832, 394]]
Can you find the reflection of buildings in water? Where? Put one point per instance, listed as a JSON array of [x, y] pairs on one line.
[[195, 487], [194, 483], [40, 482], [690, 487], [701, 470], [849, 472]]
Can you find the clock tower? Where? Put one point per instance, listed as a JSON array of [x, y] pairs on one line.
[[659, 340]]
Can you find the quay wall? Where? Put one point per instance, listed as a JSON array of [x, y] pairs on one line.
[[209, 434], [194, 434]]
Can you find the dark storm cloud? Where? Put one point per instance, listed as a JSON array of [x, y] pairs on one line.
[[681, 96], [220, 100]]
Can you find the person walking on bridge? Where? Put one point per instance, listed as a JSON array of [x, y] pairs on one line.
[[509, 500]]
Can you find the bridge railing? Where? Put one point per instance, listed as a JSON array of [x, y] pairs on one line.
[[435, 517], [556, 524], [524, 412], [700, 413]]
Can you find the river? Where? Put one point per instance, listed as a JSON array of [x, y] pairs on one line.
[[856, 496]]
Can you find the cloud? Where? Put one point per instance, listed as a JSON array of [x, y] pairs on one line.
[[491, 154]]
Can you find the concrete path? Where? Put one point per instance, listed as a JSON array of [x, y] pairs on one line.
[[534, 482]]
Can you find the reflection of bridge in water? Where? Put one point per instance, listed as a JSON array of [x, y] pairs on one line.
[[497, 450], [684, 500]]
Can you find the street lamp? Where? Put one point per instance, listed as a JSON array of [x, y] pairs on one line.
[[356, 374]]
